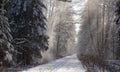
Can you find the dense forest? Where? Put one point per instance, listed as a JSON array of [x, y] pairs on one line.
[[23, 28], [26, 28], [35, 32], [98, 42]]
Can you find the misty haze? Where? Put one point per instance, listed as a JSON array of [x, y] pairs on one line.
[[59, 35]]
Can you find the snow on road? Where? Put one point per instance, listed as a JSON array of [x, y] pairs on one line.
[[67, 64], [70, 63]]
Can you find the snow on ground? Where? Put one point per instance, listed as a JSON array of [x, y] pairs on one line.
[[67, 64]]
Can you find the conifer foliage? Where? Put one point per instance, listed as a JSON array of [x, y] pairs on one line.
[[22, 32], [6, 48], [118, 30], [28, 29]]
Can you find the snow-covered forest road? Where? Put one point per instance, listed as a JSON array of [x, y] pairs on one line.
[[60, 35], [67, 64]]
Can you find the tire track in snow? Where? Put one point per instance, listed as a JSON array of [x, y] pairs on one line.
[[67, 64]]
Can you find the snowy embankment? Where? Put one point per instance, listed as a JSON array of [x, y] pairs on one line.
[[67, 64]]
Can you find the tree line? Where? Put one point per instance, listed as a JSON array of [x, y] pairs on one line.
[[22, 32], [29, 28], [99, 35], [61, 31]]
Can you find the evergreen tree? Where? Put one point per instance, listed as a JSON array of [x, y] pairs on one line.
[[28, 29], [6, 48], [118, 30]]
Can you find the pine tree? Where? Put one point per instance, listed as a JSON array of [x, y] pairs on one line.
[[6, 48], [118, 30], [28, 29]]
